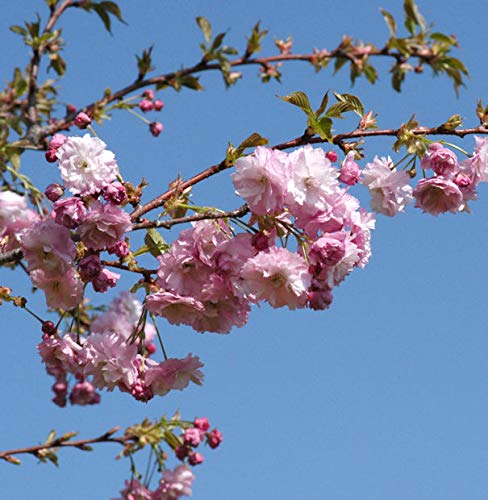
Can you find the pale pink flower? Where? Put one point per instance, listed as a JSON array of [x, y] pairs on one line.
[[389, 189], [85, 165], [438, 195], [362, 223], [441, 160], [134, 490], [201, 423], [103, 226], [48, 246], [14, 218], [175, 484], [312, 180], [261, 179], [477, 165], [173, 373], [63, 291], [110, 360], [278, 276]]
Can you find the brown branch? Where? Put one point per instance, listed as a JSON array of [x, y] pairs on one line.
[[202, 66], [61, 442], [167, 224], [34, 131], [134, 269], [299, 141], [12, 256]]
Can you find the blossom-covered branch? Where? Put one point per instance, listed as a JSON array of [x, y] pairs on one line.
[[338, 139]]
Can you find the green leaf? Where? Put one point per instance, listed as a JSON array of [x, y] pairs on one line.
[[144, 63], [191, 82], [390, 22], [440, 37], [336, 110], [252, 141], [114, 9], [452, 123], [254, 40], [339, 62], [323, 128], [355, 102], [323, 104], [370, 73], [413, 16], [57, 63], [19, 30], [217, 42], [155, 242], [206, 28], [299, 99]]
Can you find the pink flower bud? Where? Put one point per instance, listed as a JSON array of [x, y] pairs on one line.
[[146, 105], [202, 423], [83, 393], [120, 249], [151, 348], [182, 452], [105, 280], [156, 128], [69, 212], [82, 120], [56, 141], [70, 108], [60, 388], [214, 438], [192, 437], [141, 392], [54, 191], [149, 94], [115, 193], [89, 268], [50, 156], [158, 105], [331, 156], [350, 171], [195, 458]]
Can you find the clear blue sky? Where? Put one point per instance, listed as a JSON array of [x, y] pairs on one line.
[[382, 397]]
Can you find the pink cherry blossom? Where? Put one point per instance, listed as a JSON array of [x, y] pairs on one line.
[[103, 226], [85, 165], [441, 160], [437, 195], [173, 373], [134, 490], [48, 246], [278, 276], [69, 212], [175, 484], [110, 360], [261, 179], [389, 189], [63, 291], [312, 180], [214, 438]]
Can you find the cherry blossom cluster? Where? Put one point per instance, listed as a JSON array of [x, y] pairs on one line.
[[449, 189], [56, 265], [176, 483], [107, 359], [173, 485], [210, 276]]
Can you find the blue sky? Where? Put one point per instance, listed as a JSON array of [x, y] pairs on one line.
[[384, 396]]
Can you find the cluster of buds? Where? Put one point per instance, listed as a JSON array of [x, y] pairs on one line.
[[195, 435], [147, 104]]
